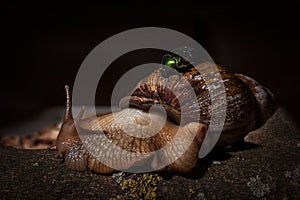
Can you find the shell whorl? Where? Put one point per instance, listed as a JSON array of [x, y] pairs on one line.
[[156, 89], [265, 99]]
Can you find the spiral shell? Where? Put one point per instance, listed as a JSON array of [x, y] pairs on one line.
[[241, 110]]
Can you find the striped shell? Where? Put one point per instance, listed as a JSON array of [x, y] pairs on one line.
[[242, 105]]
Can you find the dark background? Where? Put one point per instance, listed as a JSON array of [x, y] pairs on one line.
[[44, 47]]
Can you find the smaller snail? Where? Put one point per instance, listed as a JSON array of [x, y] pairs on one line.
[[249, 105]]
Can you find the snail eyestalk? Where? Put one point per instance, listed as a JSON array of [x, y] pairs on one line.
[[68, 135], [68, 120], [68, 113]]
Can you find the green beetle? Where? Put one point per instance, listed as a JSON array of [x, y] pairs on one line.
[[174, 61]]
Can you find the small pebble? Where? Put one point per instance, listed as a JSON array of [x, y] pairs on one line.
[[216, 162]]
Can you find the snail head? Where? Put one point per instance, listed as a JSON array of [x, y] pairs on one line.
[[68, 134]]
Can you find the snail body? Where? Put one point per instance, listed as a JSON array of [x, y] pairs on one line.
[[120, 129], [136, 129]]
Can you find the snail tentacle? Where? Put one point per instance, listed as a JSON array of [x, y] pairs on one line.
[[68, 112]]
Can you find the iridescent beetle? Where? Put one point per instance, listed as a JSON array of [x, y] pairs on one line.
[[175, 61]]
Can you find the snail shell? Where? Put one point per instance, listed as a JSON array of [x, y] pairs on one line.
[[249, 105]]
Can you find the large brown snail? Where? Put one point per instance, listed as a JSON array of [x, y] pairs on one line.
[[249, 105]]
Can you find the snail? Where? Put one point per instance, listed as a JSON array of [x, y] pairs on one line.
[[249, 105]]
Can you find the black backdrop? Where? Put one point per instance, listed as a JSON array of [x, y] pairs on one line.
[[44, 47]]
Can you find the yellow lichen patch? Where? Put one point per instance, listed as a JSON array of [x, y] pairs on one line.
[[142, 187], [191, 191]]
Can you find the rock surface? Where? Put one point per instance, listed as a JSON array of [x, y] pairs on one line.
[[267, 166]]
